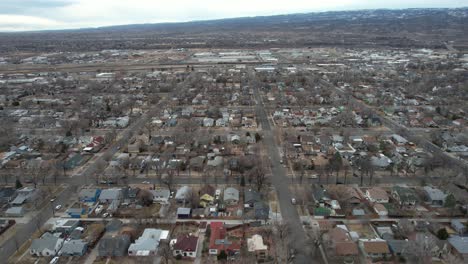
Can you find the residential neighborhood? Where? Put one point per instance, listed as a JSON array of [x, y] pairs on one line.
[[266, 152]]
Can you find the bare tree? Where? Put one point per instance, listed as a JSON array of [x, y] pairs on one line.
[[165, 252], [168, 179]]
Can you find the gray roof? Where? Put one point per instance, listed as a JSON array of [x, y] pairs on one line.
[[149, 240], [20, 199], [73, 247], [87, 193], [457, 225], [114, 245], [251, 196], [459, 243], [358, 212], [183, 211], [18, 210], [231, 194], [262, 210], [434, 194], [161, 193], [110, 194], [398, 246], [47, 241]]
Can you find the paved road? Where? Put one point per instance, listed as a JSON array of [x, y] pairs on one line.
[[297, 236], [24, 231]]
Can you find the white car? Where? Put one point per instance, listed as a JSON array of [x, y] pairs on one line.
[[58, 207], [99, 209], [54, 260], [105, 215], [293, 200]]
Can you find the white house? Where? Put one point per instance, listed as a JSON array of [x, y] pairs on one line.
[[47, 245], [148, 243]]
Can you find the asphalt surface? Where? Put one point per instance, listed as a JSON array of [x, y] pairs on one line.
[[24, 231], [297, 236]]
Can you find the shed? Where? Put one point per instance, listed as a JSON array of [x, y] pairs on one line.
[[16, 211], [183, 213]]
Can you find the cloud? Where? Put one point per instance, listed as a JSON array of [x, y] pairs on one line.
[[58, 14], [21, 23]]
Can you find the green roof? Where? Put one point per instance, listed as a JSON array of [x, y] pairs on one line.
[[322, 211]]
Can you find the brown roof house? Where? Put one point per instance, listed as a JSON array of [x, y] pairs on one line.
[[340, 243], [185, 246], [374, 248], [377, 195]]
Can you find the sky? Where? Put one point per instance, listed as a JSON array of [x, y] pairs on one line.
[[26, 15]]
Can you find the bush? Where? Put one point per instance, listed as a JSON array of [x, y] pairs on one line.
[[222, 255], [442, 234]]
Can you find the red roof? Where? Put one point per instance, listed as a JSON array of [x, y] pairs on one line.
[[218, 238], [186, 243]]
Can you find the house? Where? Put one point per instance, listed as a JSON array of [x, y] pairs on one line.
[[350, 195], [398, 247], [183, 213], [255, 245], [251, 197], [197, 163], [231, 196], [185, 246], [341, 242], [377, 195], [15, 211], [261, 210], [47, 245], [89, 195], [208, 122], [398, 140], [147, 244], [65, 225], [458, 226], [404, 196], [380, 209], [374, 248], [219, 240], [434, 196], [76, 212], [73, 248], [107, 196], [113, 245], [459, 246], [161, 195], [134, 147], [381, 161], [320, 194], [25, 194], [6, 194], [183, 194]]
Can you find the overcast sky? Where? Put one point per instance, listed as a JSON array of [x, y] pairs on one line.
[[20, 15]]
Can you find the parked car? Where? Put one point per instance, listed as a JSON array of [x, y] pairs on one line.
[[58, 207], [99, 209], [54, 260], [293, 200]]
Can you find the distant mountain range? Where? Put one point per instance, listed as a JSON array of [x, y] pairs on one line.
[[400, 28]]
